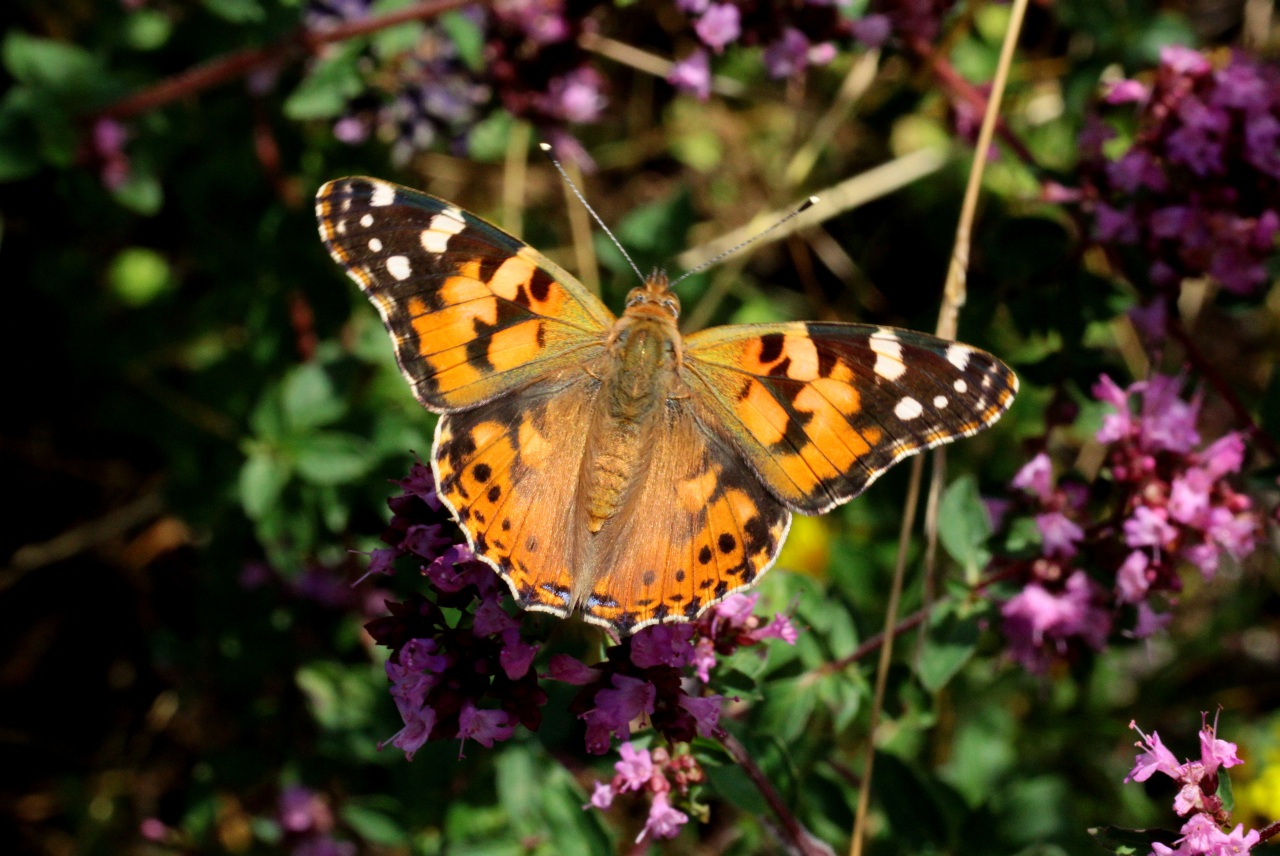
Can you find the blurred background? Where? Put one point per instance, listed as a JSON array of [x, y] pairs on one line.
[[205, 417]]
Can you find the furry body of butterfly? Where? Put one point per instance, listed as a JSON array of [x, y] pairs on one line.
[[609, 465]]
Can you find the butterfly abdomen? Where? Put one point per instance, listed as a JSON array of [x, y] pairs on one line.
[[634, 388]]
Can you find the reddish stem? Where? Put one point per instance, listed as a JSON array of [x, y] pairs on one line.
[[1210, 372], [952, 80], [802, 842], [240, 63]]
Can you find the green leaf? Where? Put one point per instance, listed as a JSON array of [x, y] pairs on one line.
[[237, 11], [963, 525], [18, 137], [341, 697], [48, 64], [327, 88], [139, 275], [333, 457], [262, 479], [141, 192], [1225, 793], [308, 398], [1130, 842], [487, 140], [466, 36], [946, 649], [147, 29], [373, 826]]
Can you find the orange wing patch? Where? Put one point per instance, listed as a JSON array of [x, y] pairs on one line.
[[821, 410], [474, 313], [509, 475], [699, 527]]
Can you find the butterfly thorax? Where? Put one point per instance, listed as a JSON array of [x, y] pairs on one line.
[[638, 374]]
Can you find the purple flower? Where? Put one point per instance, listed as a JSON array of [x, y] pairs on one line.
[[483, 726], [517, 655], [780, 628], [1127, 92], [705, 711], [719, 25], [1148, 527], [692, 74], [787, 55], [1262, 143], [417, 730], [665, 644], [1036, 618], [108, 139], [1132, 584], [1036, 478], [1168, 421], [635, 769], [1156, 758], [664, 821], [562, 667], [1058, 533], [614, 710], [577, 96], [872, 30], [1115, 224], [303, 810], [601, 796], [1183, 60], [1189, 497], [704, 659]]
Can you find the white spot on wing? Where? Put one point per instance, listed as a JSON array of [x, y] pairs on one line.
[[446, 224], [960, 386], [939, 401], [375, 245], [958, 356], [383, 194], [908, 409], [888, 350], [398, 266], [366, 220]]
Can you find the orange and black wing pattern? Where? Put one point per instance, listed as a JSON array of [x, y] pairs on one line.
[[820, 410], [473, 312]]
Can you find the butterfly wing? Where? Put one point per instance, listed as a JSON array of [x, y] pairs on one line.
[[509, 473], [699, 527], [474, 313], [820, 410]]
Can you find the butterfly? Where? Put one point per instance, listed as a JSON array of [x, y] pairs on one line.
[[609, 465]]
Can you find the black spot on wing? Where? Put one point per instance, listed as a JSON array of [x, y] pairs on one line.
[[770, 347]]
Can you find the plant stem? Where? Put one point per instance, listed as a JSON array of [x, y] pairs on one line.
[[802, 842], [298, 44]]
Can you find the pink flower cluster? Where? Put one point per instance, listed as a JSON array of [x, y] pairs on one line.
[[1198, 191], [307, 822], [1170, 502], [1198, 783], [462, 667], [794, 36], [660, 774]]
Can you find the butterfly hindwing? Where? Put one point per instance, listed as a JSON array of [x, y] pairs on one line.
[[508, 472], [820, 410], [699, 527], [473, 312]]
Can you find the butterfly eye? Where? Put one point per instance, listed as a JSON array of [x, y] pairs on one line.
[[636, 296], [671, 304]]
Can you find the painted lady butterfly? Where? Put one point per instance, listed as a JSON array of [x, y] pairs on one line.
[[608, 464]]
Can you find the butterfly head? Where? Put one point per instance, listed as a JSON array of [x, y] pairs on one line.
[[654, 299]]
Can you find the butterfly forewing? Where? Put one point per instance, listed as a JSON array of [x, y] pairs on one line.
[[820, 410], [473, 312]]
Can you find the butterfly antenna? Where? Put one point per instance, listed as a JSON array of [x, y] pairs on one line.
[[804, 206], [546, 148]]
